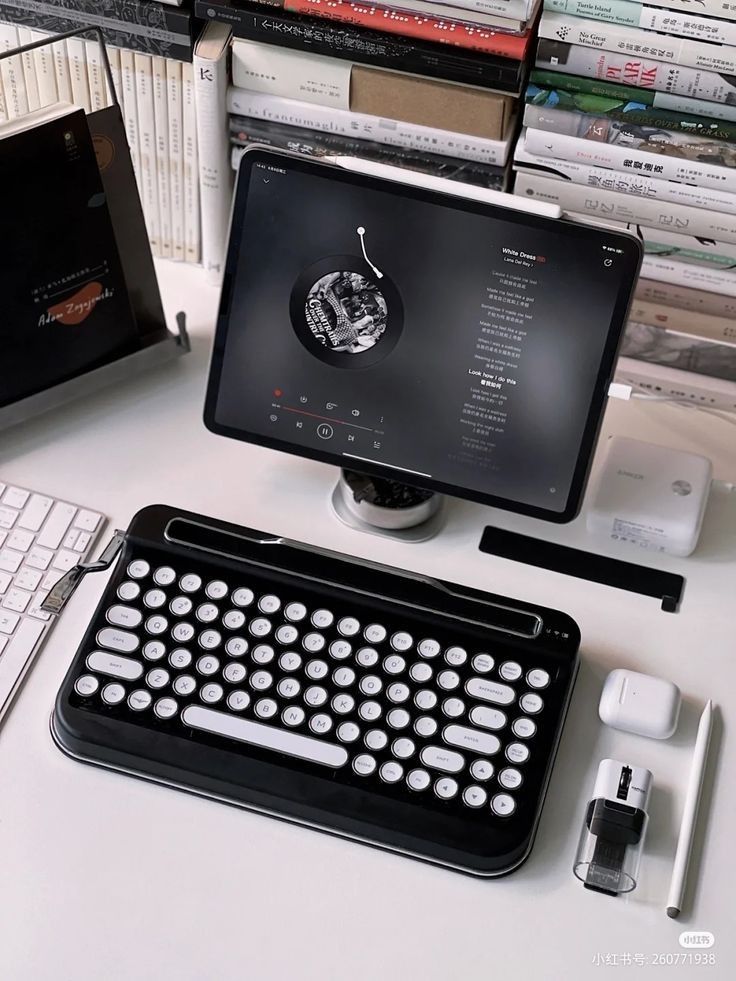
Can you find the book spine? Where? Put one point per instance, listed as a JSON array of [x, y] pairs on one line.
[[12, 74], [176, 160], [651, 97], [390, 132], [685, 298], [709, 8], [324, 37], [77, 53], [625, 207], [410, 25], [509, 8], [113, 55], [598, 111], [161, 125], [651, 18], [95, 76], [665, 270], [25, 36], [61, 71], [147, 142], [694, 323], [130, 112], [630, 159], [496, 21], [660, 47], [190, 169]]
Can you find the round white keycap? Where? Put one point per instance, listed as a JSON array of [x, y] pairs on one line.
[[190, 583], [510, 778], [154, 650], [236, 646], [322, 619], [445, 788], [113, 694], [266, 708], [209, 639], [261, 680], [474, 796], [207, 612], [398, 692], [262, 653], [531, 703], [238, 700], [370, 711], [180, 606], [342, 704], [293, 715], [138, 569], [154, 598], [315, 696], [156, 624], [429, 648], [234, 672], [510, 671], [269, 603], [320, 723], [313, 642], [348, 626], [483, 663], [376, 739], [453, 707], [455, 656], [128, 590], [537, 678], [216, 590], [286, 634], [425, 726], [425, 699], [402, 641], [86, 685], [402, 748], [340, 649], [393, 664], [295, 612], [140, 700], [157, 678], [185, 685], [364, 765], [164, 575], [242, 596], [347, 732], [183, 632], [165, 708], [524, 728], [343, 677], [260, 627], [370, 684], [391, 772], [375, 633], [317, 670], [418, 780], [208, 665], [288, 688], [503, 805], [420, 672], [398, 718], [481, 769], [367, 657], [234, 619], [448, 680], [290, 661], [517, 753]]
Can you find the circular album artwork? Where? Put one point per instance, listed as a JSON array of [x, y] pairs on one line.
[[344, 313]]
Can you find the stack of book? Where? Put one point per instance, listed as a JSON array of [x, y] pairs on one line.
[[630, 119], [426, 86]]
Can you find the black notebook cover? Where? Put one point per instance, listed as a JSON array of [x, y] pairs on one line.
[[65, 307]]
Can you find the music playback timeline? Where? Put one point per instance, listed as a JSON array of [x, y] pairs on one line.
[[341, 428]]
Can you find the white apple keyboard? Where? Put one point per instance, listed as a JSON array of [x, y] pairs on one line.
[[41, 538]]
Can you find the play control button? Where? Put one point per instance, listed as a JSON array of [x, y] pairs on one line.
[[325, 431]]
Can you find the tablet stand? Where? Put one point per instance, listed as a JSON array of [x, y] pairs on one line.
[[387, 507]]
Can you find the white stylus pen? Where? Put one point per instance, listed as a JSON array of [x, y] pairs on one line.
[[690, 813]]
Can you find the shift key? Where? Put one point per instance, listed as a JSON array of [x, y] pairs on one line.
[[56, 525]]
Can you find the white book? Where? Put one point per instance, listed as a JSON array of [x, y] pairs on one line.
[[659, 166], [685, 298], [161, 123], [3, 107], [130, 112], [12, 74], [651, 17], [674, 245], [387, 131], [215, 175], [61, 69], [25, 36], [624, 207], [113, 56], [509, 8], [96, 80], [689, 274], [176, 158], [190, 169], [148, 183], [48, 92], [77, 54]]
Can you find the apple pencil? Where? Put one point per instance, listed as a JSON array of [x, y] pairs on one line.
[[690, 813]]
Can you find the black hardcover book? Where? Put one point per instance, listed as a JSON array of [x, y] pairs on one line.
[[154, 28], [65, 304], [273, 25]]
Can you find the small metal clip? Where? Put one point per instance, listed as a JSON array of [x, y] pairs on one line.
[[65, 587]]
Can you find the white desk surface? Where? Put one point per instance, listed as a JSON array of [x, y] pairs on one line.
[[102, 876]]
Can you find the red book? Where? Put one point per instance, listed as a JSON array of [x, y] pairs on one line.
[[372, 15]]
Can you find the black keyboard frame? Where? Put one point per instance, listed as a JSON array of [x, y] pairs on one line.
[[336, 801]]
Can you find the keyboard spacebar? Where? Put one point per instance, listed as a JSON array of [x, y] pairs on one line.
[[268, 737]]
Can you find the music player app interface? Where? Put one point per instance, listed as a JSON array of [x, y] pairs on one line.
[[433, 341]]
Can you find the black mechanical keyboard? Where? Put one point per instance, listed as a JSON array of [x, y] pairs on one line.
[[401, 711]]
